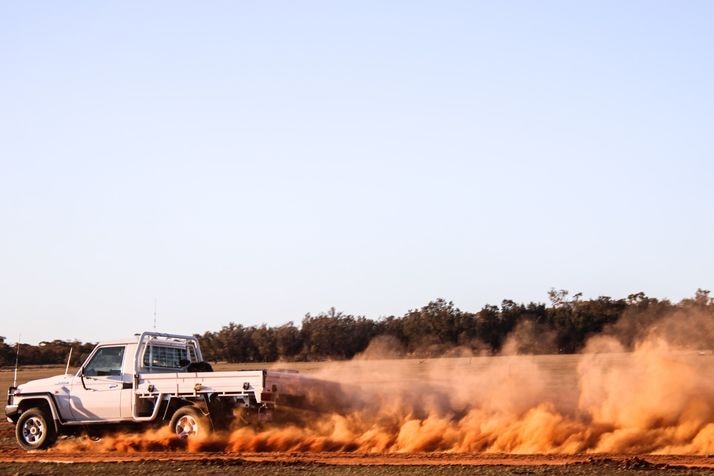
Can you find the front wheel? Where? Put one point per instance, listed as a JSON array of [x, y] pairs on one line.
[[189, 422], [35, 430]]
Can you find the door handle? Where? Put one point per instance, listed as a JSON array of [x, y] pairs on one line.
[[113, 386]]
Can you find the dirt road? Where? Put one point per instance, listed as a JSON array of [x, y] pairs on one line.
[[11, 453], [15, 461]]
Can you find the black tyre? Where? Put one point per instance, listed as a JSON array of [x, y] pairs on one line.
[[35, 430], [189, 422]]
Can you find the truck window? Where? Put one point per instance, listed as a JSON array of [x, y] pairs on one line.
[[106, 361], [158, 357]]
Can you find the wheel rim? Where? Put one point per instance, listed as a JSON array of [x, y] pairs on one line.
[[32, 430], [186, 426]]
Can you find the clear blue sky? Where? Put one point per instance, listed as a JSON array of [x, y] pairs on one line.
[[255, 161]]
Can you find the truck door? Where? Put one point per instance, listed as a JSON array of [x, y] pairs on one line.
[[99, 396]]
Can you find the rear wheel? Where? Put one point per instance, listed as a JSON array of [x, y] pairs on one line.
[[189, 422], [35, 430]]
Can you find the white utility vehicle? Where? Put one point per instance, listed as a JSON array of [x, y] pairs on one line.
[[149, 379]]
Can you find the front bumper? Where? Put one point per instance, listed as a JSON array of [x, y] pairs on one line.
[[11, 413], [11, 407]]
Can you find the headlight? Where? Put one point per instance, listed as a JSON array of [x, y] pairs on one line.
[[11, 393]]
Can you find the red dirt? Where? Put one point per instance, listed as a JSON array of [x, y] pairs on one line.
[[11, 453]]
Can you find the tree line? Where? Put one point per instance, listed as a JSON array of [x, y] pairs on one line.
[[436, 329], [45, 353]]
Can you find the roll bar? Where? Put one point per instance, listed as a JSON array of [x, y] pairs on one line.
[[146, 337]]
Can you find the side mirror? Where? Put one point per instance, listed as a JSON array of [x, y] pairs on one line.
[[81, 377]]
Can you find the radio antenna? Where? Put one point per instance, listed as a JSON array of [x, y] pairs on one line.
[[17, 360], [69, 359]]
